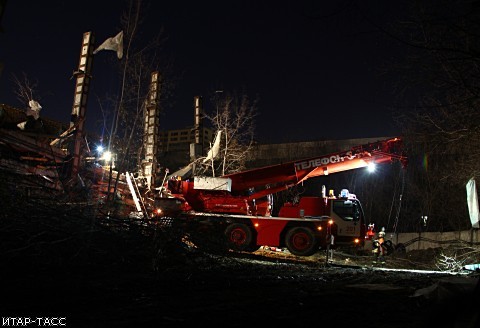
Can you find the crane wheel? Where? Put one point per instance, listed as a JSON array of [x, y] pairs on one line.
[[301, 241], [239, 237]]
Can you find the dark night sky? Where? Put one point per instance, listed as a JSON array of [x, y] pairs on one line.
[[315, 65]]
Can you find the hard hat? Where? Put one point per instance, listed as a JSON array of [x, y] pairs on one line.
[[381, 234]]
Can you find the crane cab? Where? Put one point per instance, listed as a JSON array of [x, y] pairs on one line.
[[345, 210]]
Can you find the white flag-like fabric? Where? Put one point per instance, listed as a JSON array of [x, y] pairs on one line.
[[34, 109], [213, 152], [114, 43], [472, 201]]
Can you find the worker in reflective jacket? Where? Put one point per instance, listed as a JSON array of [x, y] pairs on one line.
[[379, 248]]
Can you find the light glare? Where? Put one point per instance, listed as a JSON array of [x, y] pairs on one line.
[[107, 156], [371, 167]]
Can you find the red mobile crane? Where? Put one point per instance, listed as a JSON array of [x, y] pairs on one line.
[[240, 204]]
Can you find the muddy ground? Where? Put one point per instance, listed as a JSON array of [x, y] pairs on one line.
[[96, 276]]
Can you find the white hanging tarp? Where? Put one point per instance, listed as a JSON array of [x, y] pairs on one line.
[[472, 201], [213, 152], [33, 111]]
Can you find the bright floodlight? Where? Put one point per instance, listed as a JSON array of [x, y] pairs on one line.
[[107, 156], [371, 167], [100, 149]]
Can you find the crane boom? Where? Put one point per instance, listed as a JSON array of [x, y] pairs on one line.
[[284, 175], [246, 189]]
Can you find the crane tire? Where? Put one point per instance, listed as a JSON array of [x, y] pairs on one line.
[[239, 237], [301, 241]]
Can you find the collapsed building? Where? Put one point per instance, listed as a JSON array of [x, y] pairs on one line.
[[43, 157]]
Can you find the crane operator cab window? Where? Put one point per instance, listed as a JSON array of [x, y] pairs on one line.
[[348, 210]]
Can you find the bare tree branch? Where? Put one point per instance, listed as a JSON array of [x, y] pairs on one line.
[[25, 89], [234, 115]]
